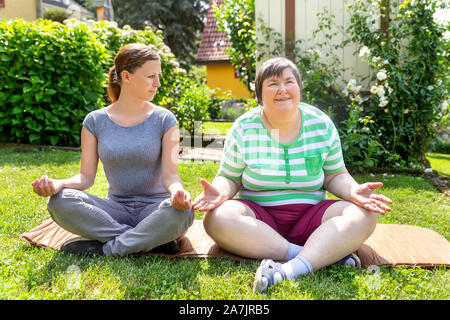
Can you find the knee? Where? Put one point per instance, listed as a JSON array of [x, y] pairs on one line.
[[62, 202], [180, 220], [216, 220], [58, 201], [367, 218]]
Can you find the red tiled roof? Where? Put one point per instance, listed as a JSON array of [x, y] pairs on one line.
[[213, 42]]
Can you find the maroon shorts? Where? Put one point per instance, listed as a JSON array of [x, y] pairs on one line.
[[294, 222]]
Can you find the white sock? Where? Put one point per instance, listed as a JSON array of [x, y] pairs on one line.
[[295, 267], [293, 251]]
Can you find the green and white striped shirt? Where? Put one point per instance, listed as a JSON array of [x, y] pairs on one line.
[[273, 173]]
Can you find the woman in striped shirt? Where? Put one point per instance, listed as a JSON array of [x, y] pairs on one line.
[[268, 200]]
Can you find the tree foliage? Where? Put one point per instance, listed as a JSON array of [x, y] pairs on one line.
[[237, 19], [181, 22]]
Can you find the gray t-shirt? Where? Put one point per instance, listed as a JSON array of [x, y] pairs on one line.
[[131, 156]]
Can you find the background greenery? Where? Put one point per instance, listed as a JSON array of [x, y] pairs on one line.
[[392, 122], [54, 74]]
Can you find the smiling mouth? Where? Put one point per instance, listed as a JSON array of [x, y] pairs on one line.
[[283, 99]]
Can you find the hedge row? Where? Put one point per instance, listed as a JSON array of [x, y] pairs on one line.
[[53, 74]]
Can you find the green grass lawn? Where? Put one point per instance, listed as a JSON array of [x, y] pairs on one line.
[[440, 162], [28, 272], [219, 128]]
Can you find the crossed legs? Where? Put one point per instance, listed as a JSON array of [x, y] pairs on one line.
[[115, 225], [344, 227]]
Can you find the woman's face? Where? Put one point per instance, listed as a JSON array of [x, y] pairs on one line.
[[144, 82], [281, 95]]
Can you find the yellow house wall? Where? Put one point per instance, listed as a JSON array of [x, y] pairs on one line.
[[25, 9], [221, 76]]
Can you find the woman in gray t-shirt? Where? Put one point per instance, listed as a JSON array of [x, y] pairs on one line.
[[146, 208]]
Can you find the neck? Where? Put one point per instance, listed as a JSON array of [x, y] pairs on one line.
[[283, 125], [130, 104]]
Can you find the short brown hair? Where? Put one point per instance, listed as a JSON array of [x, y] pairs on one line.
[[129, 57], [275, 67]]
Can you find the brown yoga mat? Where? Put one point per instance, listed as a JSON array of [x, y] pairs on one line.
[[390, 244]]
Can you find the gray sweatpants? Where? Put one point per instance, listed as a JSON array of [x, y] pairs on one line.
[[124, 228]]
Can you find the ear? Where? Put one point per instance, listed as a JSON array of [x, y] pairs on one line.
[[125, 75]]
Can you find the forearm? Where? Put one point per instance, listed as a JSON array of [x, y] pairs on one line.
[[342, 185], [227, 187], [172, 183], [79, 182]]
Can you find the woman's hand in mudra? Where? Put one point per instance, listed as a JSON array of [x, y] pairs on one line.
[[181, 200], [364, 196]]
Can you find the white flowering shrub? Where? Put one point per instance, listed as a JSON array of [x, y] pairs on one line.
[[406, 99]]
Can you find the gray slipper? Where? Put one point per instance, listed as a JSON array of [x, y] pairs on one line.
[[347, 261], [265, 274]]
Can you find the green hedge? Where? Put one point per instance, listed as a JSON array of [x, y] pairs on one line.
[[52, 75]]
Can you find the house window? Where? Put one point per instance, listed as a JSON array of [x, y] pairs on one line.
[[2, 3]]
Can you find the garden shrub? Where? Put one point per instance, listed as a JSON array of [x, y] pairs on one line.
[[410, 59], [391, 122], [53, 74], [192, 108], [237, 19]]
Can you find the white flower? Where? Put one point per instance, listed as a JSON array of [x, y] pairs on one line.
[[345, 92], [380, 91], [364, 51], [374, 89], [358, 89], [406, 111], [430, 88], [383, 102], [381, 75], [386, 61], [351, 85], [389, 90], [376, 59]]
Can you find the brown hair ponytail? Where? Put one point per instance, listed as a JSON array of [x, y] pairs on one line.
[[129, 57], [113, 85]]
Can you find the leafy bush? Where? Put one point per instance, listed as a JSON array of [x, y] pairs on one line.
[[193, 107], [391, 122], [237, 19], [51, 76], [410, 62], [58, 15]]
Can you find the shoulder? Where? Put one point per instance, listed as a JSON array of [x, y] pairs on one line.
[[164, 114], [314, 115], [165, 118], [96, 114], [249, 120]]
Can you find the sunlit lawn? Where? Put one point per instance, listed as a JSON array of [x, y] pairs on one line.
[[28, 272]]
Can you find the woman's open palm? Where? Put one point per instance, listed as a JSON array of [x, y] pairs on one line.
[[210, 198], [365, 196]]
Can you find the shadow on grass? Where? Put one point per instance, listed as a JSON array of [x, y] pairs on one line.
[[438, 156], [152, 277]]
